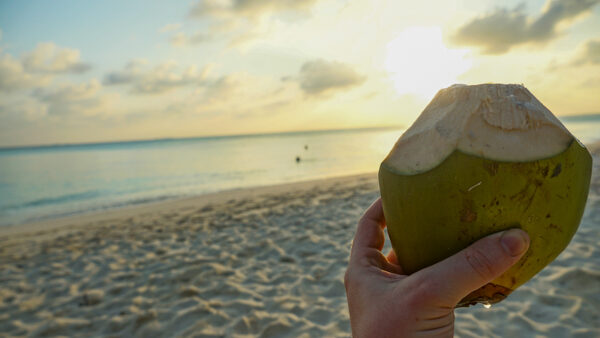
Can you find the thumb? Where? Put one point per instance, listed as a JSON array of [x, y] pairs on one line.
[[455, 277]]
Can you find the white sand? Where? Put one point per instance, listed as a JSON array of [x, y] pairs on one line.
[[257, 262]]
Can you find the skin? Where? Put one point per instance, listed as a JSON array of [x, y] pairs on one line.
[[384, 302]]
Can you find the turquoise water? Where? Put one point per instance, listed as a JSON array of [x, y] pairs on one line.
[[47, 182]]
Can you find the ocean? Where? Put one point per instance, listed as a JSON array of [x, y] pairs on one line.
[[38, 183], [46, 182]]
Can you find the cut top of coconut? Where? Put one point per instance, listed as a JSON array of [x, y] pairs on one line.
[[502, 122]]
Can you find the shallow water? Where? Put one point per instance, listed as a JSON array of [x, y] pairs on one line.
[[46, 182], [42, 182]]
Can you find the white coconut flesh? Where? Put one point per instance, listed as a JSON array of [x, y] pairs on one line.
[[493, 121]]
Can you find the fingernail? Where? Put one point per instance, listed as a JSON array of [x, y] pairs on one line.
[[514, 241]]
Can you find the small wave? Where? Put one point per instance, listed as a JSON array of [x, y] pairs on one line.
[[139, 201], [86, 209], [55, 200]]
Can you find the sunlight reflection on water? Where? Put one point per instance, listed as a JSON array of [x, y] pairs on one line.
[[52, 181]]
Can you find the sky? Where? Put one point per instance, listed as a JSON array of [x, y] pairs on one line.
[[96, 71]]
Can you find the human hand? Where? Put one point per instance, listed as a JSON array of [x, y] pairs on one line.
[[384, 302]]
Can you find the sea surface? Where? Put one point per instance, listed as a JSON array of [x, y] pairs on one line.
[[47, 182], [38, 183]]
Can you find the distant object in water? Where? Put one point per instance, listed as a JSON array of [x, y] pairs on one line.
[[306, 147], [297, 159], [200, 165]]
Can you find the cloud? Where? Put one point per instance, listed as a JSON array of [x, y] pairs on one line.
[[591, 82], [49, 58], [218, 92], [160, 79], [84, 99], [20, 110], [171, 27], [320, 76], [68, 92], [222, 88], [65, 102], [587, 53], [38, 67], [13, 76], [132, 71], [242, 21], [249, 8], [590, 54], [239, 95], [497, 32], [181, 39]]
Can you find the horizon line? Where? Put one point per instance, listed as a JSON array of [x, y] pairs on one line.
[[103, 143], [576, 117]]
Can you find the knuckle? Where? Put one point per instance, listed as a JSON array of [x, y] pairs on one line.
[[481, 264]]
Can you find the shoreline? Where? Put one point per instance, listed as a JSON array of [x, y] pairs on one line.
[[183, 203], [175, 139], [265, 261], [201, 199]]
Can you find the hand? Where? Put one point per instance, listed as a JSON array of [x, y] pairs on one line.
[[384, 302]]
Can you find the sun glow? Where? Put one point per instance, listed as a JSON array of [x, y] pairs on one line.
[[419, 63]]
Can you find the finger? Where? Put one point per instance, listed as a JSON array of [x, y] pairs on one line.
[[369, 233], [392, 258], [379, 260], [455, 277]]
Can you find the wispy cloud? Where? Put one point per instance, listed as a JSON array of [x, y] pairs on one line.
[[221, 89], [68, 92], [242, 21], [171, 27], [590, 54], [238, 95], [586, 54], [13, 76], [49, 58], [180, 39], [499, 31], [160, 79], [24, 109], [63, 101], [38, 70], [249, 8], [37, 67], [318, 77], [67, 99]]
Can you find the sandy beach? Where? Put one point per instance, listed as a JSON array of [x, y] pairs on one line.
[[263, 262]]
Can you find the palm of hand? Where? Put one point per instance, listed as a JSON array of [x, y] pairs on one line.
[[384, 302]]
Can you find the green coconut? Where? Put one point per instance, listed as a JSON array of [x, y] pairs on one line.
[[478, 160]]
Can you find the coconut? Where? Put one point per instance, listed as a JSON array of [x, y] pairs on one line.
[[478, 160]]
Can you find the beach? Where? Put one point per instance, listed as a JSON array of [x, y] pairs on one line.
[[265, 262]]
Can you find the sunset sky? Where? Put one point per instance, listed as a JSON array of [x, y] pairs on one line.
[[88, 71]]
